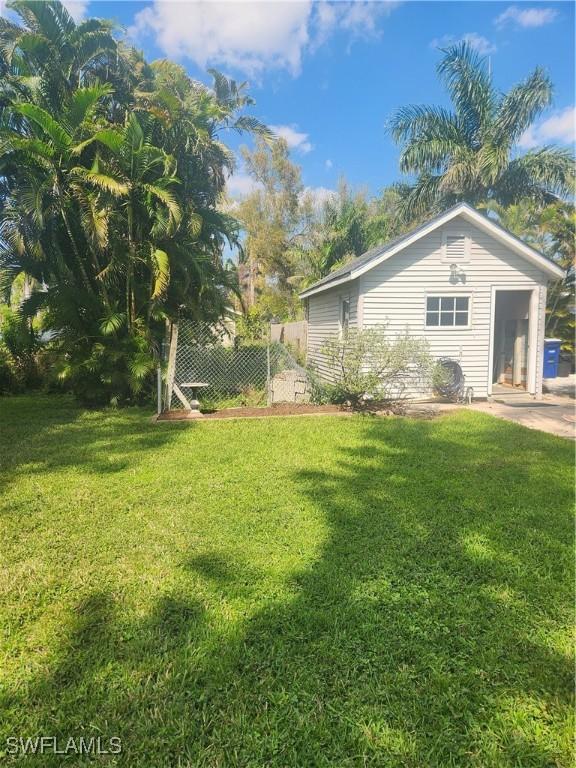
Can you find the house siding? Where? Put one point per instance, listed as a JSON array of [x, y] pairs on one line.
[[394, 293], [324, 322]]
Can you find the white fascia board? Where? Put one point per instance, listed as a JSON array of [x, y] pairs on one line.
[[325, 286], [405, 243], [512, 242]]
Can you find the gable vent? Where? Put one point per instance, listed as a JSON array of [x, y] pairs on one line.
[[455, 247]]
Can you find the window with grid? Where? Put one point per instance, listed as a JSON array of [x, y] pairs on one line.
[[447, 311]]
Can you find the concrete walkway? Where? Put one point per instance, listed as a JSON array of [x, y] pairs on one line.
[[564, 386], [554, 414]]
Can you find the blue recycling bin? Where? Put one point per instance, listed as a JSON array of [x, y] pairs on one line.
[[551, 357]]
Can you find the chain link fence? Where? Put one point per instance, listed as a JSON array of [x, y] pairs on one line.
[[210, 363]]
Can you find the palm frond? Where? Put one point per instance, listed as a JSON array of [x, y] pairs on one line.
[[161, 270], [195, 222], [466, 76], [113, 322], [521, 106], [544, 175], [82, 104], [168, 200], [109, 137], [423, 199], [116, 187], [428, 155], [248, 124], [415, 120], [46, 122]]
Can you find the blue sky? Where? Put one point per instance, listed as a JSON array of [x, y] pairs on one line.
[[328, 75]]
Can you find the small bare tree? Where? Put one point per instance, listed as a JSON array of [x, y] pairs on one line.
[[373, 365]]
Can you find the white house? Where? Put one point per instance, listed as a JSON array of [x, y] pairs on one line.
[[476, 292]]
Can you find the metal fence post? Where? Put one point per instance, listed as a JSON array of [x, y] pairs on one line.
[[268, 380], [159, 390]]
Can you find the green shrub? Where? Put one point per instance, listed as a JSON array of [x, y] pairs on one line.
[[19, 345], [373, 365], [8, 379], [110, 370]]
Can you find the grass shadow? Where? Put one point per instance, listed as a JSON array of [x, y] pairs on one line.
[[429, 629], [68, 437]]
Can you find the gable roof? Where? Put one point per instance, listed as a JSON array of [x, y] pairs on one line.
[[377, 255]]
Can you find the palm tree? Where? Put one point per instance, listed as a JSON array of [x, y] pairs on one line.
[[111, 171], [470, 153], [50, 55]]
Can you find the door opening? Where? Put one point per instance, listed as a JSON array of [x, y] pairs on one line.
[[511, 361]]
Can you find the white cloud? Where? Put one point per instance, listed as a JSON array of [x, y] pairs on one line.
[[245, 35], [294, 138], [479, 43], [558, 128], [319, 195], [78, 9], [241, 184], [328, 164], [526, 17], [360, 18], [253, 35]]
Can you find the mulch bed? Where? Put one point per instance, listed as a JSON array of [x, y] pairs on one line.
[[281, 409], [286, 409]]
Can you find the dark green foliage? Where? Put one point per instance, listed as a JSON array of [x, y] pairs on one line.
[[8, 378], [19, 344], [111, 171]]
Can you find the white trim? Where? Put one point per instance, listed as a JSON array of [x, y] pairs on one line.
[[441, 295], [171, 365], [343, 297], [533, 326], [533, 322], [472, 216], [491, 329], [325, 287], [539, 335]]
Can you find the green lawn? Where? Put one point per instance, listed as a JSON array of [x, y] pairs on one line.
[[286, 592]]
